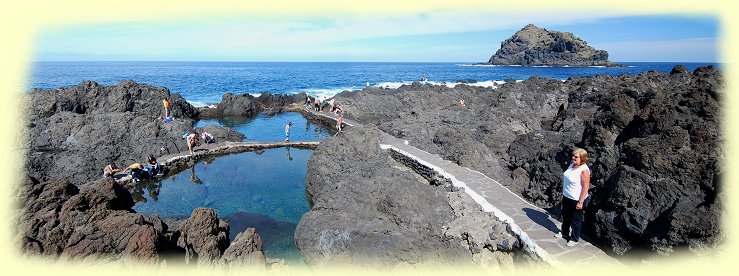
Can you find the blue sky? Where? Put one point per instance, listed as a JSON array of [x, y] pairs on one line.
[[432, 37]]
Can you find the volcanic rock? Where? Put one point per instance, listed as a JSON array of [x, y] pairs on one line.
[[534, 46], [75, 131], [204, 236], [97, 221], [368, 212], [247, 105], [246, 249], [654, 140]]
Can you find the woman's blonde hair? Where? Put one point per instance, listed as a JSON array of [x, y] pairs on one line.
[[582, 153]]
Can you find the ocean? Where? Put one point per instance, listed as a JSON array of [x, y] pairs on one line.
[[202, 83]]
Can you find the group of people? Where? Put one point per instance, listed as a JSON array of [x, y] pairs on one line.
[[193, 140], [137, 171], [321, 105]]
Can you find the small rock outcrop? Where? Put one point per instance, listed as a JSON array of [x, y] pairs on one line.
[[534, 46], [60, 220], [246, 250], [247, 105], [203, 236]]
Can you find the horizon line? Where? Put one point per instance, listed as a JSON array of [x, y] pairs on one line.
[[252, 61]]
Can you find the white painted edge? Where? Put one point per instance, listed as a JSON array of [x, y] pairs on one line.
[[486, 206]]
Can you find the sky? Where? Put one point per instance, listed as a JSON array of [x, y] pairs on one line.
[[419, 37]]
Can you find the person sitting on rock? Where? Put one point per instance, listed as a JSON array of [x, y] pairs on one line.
[[207, 137], [137, 172], [110, 169], [153, 167]]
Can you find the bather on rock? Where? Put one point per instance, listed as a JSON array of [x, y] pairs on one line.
[[137, 172], [154, 167], [110, 169]]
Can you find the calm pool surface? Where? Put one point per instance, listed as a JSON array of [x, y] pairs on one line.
[[266, 128], [264, 190]]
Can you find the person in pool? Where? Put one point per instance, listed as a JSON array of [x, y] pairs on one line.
[[287, 131]]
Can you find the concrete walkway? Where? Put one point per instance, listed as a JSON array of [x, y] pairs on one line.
[[534, 225]]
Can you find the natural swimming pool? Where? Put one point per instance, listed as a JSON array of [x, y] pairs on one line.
[[266, 128], [264, 190]]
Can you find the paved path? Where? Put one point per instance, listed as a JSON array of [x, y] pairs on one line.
[[534, 225]]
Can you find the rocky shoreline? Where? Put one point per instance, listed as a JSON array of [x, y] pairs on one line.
[[654, 138]]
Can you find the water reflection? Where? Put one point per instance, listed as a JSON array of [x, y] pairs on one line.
[[194, 178], [287, 154], [152, 187], [271, 128], [266, 187]]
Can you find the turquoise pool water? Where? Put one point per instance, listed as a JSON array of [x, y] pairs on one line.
[[264, 190], [266, 128]]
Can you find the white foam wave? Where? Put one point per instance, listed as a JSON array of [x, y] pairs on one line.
[[325, 93], [392, 85], [197, 103]]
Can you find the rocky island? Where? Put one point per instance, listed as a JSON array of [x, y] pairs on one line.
[[534, 46]]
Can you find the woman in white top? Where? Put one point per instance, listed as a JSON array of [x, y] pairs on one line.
[[575, 186]]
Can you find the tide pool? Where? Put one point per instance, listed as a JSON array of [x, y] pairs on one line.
[[271, 128], [264, 190]]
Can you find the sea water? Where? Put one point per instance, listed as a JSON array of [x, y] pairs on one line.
[[201, 83]]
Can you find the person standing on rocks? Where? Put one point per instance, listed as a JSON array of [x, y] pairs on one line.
[[192, 142], [167, 106], [287, 131], [575, 186], [340, 122]]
